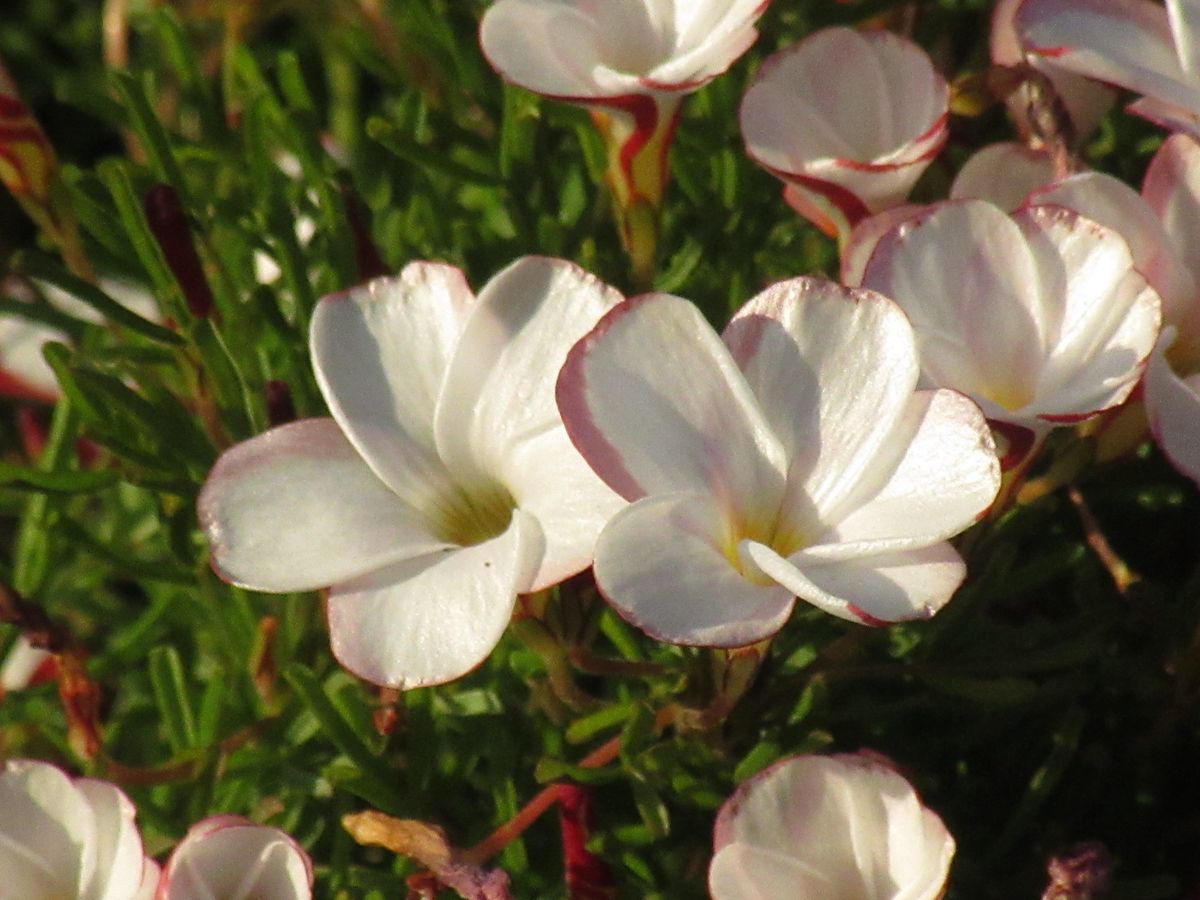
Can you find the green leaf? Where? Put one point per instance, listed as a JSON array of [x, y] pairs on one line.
[[59, 482], [424, 158], [171, 697]]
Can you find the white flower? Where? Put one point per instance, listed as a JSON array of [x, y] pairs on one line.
[[1136, 44], [793, 459], [443, 486], [25, 665], [849, 120], [841, 827], [68, 837], [1041, 316], [1003, 174], [231, 858]]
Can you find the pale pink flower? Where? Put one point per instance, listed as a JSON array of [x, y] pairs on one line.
[[1041, 316], [792, 458], [68, 837], [849, 120], [845, 827], [232, 858], [1086, 102], [443, 486], [1141, 45]]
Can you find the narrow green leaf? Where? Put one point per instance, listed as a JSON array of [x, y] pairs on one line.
[[58, 482], [150, 131], [171, 697], [424, 158]]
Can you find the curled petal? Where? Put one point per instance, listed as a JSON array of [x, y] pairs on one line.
[[1172, 189], [836, 826], [1173, 408], [434, 618]]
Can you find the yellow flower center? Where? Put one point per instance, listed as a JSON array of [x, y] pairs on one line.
[[474, 514]]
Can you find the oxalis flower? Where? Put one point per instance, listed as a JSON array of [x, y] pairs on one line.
[[1041, 317], [792, 458], [69, 837], [1141, 45], [443, 486], [849, 120], [232, 858], [631, 62], [846, 826]]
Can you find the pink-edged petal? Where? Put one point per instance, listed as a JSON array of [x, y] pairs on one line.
[[1170, 116], [1086, 102], [47, 832], [120, 860], [964, 274], [1003, 174], [1116, 205], [662, 563], [708, 38], [857, 250], [1172, 189], [870, 131], [296, 508], [878, 589], [849, 823], [938, 474], [432, 619], [1109, 316], [1173, 408], [499, 389], [1123, 42], [655, 403], [234, 858], [380, 353], [550, 481], [151, 876], [743, 872], [832, 368]]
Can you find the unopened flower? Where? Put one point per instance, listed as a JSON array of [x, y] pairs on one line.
[[69, 837], [1041, 316], [1141, 45], [443, 486], [232, 857], [631, 62], [849, 120], [795, 458], [826, 827], [26, 665]]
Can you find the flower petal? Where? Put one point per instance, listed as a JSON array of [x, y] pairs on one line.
[[47, 835], [227, 856], [660, 563], [1003, 174], [655, 403], [742, 872], [119, 855], [499, 389], [550, 481], [939, 474], [1123, 42], [875, 590], [1173, 408], [833, 368], [380, 353], [1172, 189], [432, 619], [297, 509]]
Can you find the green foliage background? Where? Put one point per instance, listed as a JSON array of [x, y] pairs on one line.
[[1041, 708]]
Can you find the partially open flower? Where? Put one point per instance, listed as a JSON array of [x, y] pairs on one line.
[[793, 458], [849, 120], [1141, 45], [443, 486], [632, 62], [846, 826], [69, 837], [1041, 316], [232, 857]]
